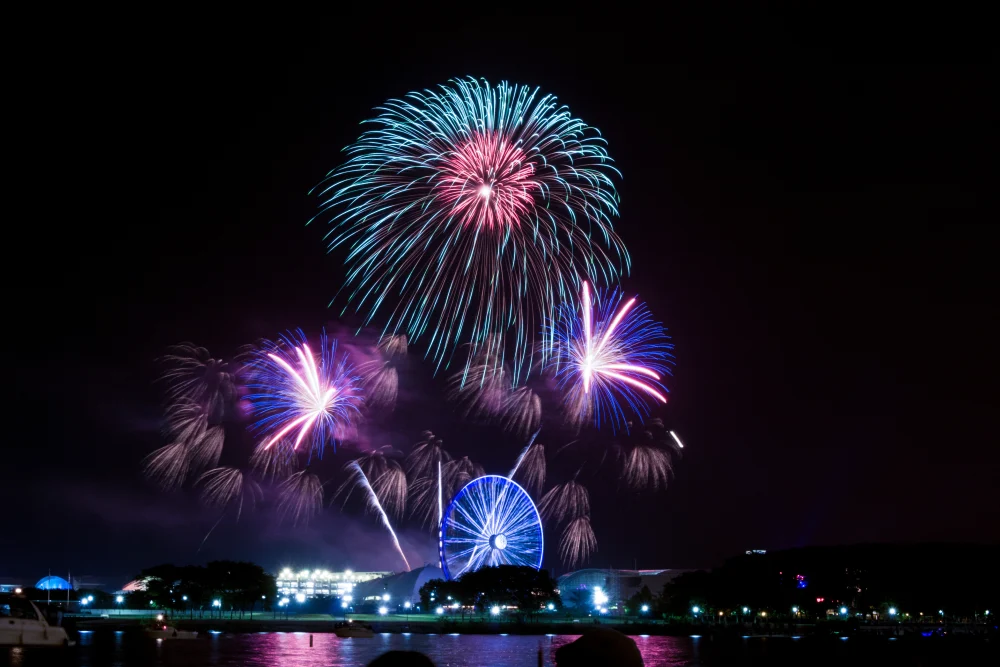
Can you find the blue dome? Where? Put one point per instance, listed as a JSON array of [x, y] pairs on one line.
[[51, 583]]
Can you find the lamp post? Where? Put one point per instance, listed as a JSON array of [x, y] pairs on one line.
[[119, 599], [406, 606]]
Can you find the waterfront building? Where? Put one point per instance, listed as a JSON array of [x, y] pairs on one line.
[[322, 583], [577, 589]]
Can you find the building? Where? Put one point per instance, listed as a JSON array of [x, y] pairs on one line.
[[610, 588], [322, 583], [8, 585], [401, 588]]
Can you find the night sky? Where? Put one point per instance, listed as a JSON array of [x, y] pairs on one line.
[[812, 232]]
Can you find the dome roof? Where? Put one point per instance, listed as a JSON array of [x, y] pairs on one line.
[[52, 583]]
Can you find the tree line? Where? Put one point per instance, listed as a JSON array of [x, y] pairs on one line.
[[518, 590]]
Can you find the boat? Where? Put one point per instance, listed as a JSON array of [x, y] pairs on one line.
[[352, 629], [160, 629], [23, 624]]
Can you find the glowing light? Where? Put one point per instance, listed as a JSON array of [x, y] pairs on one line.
[[90, 598], [17, 591], [843, 610], [159, 617], [745, 610], [892, 611], [941, 611], [695, 609], [604, 610], [600, 597], [216, 603], [84, 601], [644, 608], [468, 210], [550, 606], [439, 611], [763, 613], [318, 401], [407, 605], [184, 598], [300, 598], [795, 610], [486, 509], [677, 440], [383, 611], [343, 605], [495, 610], [119, 599], [606, 362]]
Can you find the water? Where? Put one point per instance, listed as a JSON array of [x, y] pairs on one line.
[[280, 649]]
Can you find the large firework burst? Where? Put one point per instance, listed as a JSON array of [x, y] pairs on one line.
[[471, 211], [294, 396], [610, 360]]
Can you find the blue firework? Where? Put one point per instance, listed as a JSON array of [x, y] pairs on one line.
[[491, 521], [299, 399]]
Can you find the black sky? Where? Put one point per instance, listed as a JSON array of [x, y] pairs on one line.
[[810, 224]]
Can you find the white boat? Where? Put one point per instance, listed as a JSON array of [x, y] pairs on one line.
[[352, 629], [23, 624], [161, 630]]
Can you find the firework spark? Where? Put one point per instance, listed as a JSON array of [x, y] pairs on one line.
[[423, 460], [167, 467], [617, 358], [476, 209], [529, 471], [294, 396], [193, 376], [224, 486], [300, 497], [273, 463], [375, 506], [577, 542], [565, 502], [206, 452]]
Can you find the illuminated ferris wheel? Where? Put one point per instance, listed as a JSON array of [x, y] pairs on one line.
[[491, 521]]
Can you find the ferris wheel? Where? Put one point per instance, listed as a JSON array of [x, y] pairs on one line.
[[491, 521]]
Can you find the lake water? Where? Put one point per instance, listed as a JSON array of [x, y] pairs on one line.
[[278, 649]]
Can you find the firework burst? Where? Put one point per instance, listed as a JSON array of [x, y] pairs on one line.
[[167, 467], [473, 209], [609, 359], [565, 502], [300, 497], [192, 375], [222, 487], [577, 542], [297, 397]]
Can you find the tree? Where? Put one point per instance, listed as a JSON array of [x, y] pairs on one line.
[[643, 597], [526, 588]]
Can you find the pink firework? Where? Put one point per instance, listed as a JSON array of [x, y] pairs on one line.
[[612, 360], [299, 398], [488, 182]]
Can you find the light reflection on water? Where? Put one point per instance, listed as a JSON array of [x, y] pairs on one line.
[[280, 649]]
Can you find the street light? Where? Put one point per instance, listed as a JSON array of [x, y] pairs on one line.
[[300, 597], [495, 610], [892, 611], [745, 610], [795, 610], [383, 611], [843, 610], [941, 611], [386, 597], [118, 601], [695, 609], [17, 591], [644, 608], [550, 606], [439, 610]]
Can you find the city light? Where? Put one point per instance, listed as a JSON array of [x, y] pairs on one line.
[[383, 611], [284, 601], [941, 611], [987, 612], [151, 603], [84, 601], [763, 613], [407, 605], [184, 597], [159, 617], [90, 598], [795, 610], [645, 608], [604, 610], [119, 599], [600, 597], [892, 611], [386, 597], [843, 610], [348, 598], [720, 614], [343, 605], [551, 606], [495, 610], [17, 591], [216, 602], [300, 597], [440, 610], [745, 610], [695, 609]]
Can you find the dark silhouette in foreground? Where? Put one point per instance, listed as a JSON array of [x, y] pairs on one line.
[[401, 659], [599, 647]]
